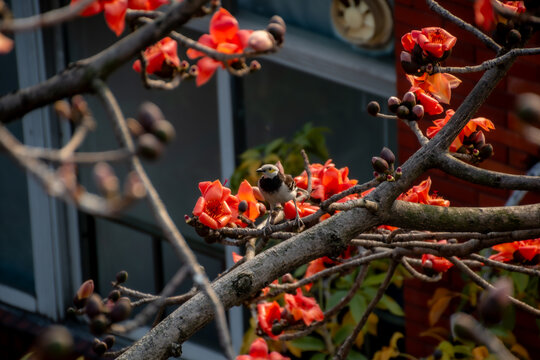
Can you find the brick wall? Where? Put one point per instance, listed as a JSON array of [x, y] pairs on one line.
[[512, 154]]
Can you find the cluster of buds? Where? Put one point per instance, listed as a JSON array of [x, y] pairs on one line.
[[151, 130], [78, 111], [384, 166], [102, 313], [109, 186], [475, 145], [268, 39], [101, 346], [406, 108]]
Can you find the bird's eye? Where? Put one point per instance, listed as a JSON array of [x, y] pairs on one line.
[[271, 171]]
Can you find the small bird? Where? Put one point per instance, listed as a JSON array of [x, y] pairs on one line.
[[277, 188]]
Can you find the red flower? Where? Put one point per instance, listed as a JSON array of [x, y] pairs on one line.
[[159, 56], [226, 37], [259, 351], [438, 85], [146, 4], [246, 193], [304, 209], [484, 15], [326, 180], [430, 104], [434, 41], [471, 127], [268, 314], [115, 12], [302, 307], [420, 194], [518, 251], [213, 207], [438, 264]]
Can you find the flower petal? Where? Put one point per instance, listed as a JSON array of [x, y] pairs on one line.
[[115, 13]]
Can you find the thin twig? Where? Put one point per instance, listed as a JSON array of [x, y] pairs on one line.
[[509, 267], [406, 263], [413, 125]]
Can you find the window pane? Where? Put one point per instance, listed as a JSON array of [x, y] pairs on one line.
[[279, 101], [16, 265]]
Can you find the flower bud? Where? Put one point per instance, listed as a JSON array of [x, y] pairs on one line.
[[418, 111], [494, 301], [479, 139], [114, 295], [409, 99], [262, 209], [373, 108], [109, 340], [164, 131], [99, 324], [99, 347], [149, 114], [133, 187], [85, 290], [135, 128], [105, 179], [486, 151], [277, 328], [408, 64], [94, 306], [79, 108], [193, 71], [390, 178], [277, 32], [402, 112], [261, 40], [121, 277], [375, 174], [242, 206], [62, 108], [287, 278], [398, 173], [254, 66], [475, 152], [379, 164], [121, 310], [388, 155], [513, 37], [393, 103], [276, 19], [184, 65], [149, 147]]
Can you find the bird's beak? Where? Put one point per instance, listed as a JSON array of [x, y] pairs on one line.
[[259, 170]]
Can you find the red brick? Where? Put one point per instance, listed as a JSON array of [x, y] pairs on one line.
[[517, 86], [490, 200]]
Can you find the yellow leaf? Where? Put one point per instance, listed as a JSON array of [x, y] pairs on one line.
[[359, 341], [438, 308], [371, 324], [520, 351], [293, 349], [393, 341], [439, 293], [480, 353], [437, 332], [348, 319]]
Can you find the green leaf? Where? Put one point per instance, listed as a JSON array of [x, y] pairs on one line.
[[447, 348], [300, 271], [355, 355], [520, 281], [463, 349], [343, 332], [374, 279], [335, 298], [308, 343], [344, 282], [358, 306], [370, 292], [391, 305], [318, 356], [273, 147]]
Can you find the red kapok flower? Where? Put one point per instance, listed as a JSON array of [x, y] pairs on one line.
[[304, 209], [471, 127], [161, 54], [438, 85], [259, 351], [420, 194], [303, 307], [525, 252], [438, 264], [326, 180], [115, 12], [268, 314], [246, 193], [484, 14], [212, 207], [146, 4], [226, 37], [434, 41], [430, 104]]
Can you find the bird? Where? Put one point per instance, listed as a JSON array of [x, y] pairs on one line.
[[277, 188]]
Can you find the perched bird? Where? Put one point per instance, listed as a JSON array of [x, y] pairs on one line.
[[277, 188]]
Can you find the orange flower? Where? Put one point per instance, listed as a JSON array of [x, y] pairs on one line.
[[146, 4], [420, 194], [259, 351], [268, 314], [326, 180], [525, 252], [438, 85], [115, 12], [438, 264], [226, 37], [304, 209], [302, 307], [484, 15], [434, 41], [245, 193], [430, 104], [213, 208], [471, 127], [160, 58], [6, 44]]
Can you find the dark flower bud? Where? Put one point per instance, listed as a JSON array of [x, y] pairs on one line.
[[262, 40], [164, 131], [55, 342], [121, 310], [408, 64], [114, 295], [149, 113], [99, 324], [242, 206], [287, 278], [277, 32], [277, 328], [254, 66], [486, 151], [513, 37], [121, 277], [379, 164], [149, 147], [494, 301], [373, 108], [418, 111], [479, 139], [402, 112], [388, 155], [276, 19], [393, 103], [427, 267], [109, 340], [409, 99], [135, 128], [94, 306], [452, 241], [99, 347], [62, 108]]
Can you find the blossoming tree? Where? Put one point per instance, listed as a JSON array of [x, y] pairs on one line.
[[347, 225]]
